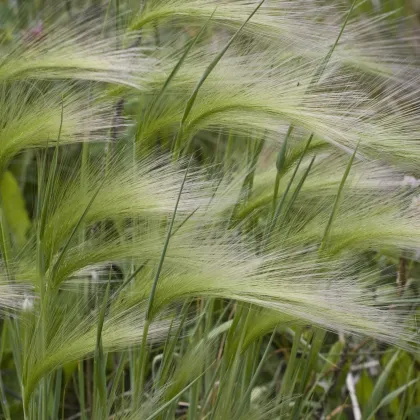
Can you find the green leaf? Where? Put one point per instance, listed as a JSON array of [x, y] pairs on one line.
[[334, 356], [414, 413], [14, 207], [391, 396], [364, 389], [375, 400]]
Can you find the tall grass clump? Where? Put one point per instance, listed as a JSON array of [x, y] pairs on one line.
[[209, 210]]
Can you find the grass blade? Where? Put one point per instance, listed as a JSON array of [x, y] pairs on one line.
[[165, 247], [391, 396], [205, 75], [76, 227], [375, 399], [148, 314], [337, 200], [99, 362], [271, 223], [281, 158], [256, 374]]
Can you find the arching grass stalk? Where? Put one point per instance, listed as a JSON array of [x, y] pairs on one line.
[[209, 69], [315, 79], [320, 71], [149, 309], [45, 294], [75, 229], [173, 73]]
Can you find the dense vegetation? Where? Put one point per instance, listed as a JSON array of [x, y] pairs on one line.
[[209, 209]]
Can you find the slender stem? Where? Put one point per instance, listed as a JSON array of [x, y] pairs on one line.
[[149, 309], [165, 247]]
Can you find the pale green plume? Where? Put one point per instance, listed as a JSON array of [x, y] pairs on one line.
[[205, 259]]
